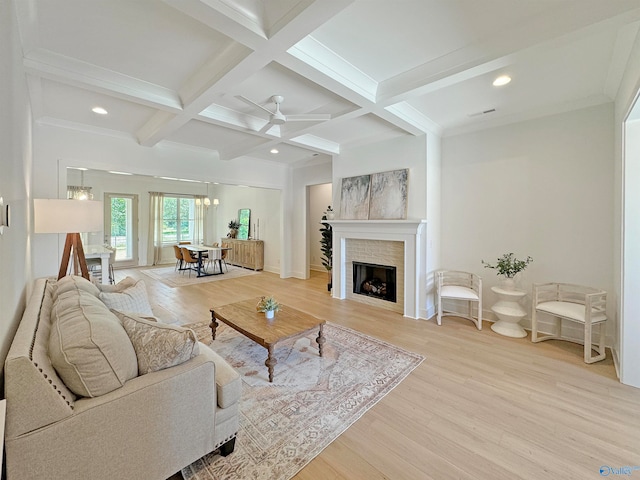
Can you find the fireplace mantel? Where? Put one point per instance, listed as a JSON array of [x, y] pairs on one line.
[[410, 232]]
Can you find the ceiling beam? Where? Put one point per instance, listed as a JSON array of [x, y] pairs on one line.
[[233, 66], [53, 66], [221, 20]]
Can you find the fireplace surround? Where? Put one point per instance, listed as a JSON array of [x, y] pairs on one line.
[[411, 237]]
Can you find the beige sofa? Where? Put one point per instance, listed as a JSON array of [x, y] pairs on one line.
[[148, 428]]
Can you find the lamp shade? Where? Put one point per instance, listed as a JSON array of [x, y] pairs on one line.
[[216, 202], [67, 216]]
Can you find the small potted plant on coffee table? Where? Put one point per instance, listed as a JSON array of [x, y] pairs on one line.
[[268, 305]]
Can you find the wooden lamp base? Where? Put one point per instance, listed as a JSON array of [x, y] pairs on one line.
[[73, 246]]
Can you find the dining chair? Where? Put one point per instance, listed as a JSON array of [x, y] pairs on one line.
[[213, 256], [189, 259], [223, 256], [178, 253]]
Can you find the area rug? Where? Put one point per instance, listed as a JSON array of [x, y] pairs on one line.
[[312, 400], [173, 278]]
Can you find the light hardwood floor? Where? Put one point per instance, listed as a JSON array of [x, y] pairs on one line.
[[481, 406]]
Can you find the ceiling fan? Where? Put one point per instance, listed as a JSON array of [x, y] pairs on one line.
[[276, 117]]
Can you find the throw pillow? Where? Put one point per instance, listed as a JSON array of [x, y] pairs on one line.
[[132, 299], [88, 346], [158, 345], [202, 331], [70, 283], [118, 287]]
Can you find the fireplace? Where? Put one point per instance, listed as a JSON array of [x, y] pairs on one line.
[[378, 281], [389, 242]]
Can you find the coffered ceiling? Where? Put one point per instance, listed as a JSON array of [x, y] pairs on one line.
[[182, 70]]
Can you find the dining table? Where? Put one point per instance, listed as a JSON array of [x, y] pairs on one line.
[[214, 254]]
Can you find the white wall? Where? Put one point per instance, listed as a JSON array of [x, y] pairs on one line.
[[421, 155], [542, 188], [15, 180], [320, 197], [434, 221], [403, 152], [627, 277]]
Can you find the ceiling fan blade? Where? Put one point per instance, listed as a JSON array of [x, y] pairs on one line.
[[254, 104], [311, 117], [271, 129], [265, 127], [276, 131]]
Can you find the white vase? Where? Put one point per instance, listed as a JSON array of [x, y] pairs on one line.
[[269, 314], [331, 215], [508, 283]]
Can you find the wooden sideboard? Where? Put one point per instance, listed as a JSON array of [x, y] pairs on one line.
[[245, 253]]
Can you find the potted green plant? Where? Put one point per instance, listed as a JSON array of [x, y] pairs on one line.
[[326, 246], [268, 305], [508, 266], [234, 225]]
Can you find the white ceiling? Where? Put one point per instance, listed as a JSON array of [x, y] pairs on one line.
[[172, 71]]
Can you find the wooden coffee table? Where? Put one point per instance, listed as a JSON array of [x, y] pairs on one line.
[[287, 323]]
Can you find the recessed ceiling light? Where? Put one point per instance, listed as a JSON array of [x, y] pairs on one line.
[[501, 80], [99, 110], [120, 173], [274, 151]]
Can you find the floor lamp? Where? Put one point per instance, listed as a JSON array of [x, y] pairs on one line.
[[70, 217]]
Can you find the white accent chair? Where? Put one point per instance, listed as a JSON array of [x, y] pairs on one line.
[[576, 303], [457, 285]]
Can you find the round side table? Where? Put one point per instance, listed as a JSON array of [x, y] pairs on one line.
[[509, 312]]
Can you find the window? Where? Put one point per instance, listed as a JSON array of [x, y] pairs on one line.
[[178, 220]]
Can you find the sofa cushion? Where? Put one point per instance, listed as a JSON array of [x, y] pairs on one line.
[[570, 310], [71, 283], [158, 345], [131, 300], [88, 346]]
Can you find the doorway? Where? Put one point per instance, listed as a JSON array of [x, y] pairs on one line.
[[629, 328], [121, 227], [319, 197]]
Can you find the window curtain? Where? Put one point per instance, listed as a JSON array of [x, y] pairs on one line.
[[198, 233], [155, 227]]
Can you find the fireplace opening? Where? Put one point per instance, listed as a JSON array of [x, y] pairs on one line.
[[377, 281]]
